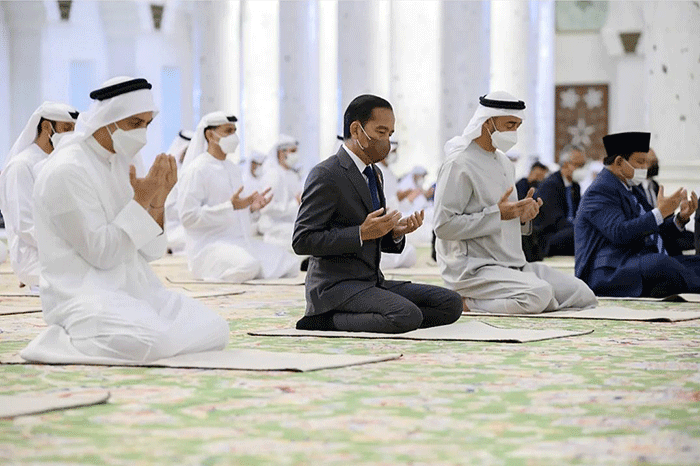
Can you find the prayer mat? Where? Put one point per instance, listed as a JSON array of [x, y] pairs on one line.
[[605, 313], [6, 310], [31, 403], [262, 281], [674, 298], [234, 359], [468, 331], [296, 281]]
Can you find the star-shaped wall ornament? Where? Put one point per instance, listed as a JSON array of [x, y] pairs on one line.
[[569, 98], [593, 98], [581, 133]]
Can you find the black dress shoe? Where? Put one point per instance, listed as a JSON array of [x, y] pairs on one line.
[[319, 322]]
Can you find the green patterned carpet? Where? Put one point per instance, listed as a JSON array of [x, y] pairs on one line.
[[628, 394]]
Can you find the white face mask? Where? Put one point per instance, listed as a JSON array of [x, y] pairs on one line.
[[292, 159], [56, 138], [128, 143], [504, 141], [579, 175], [640, 174], [229, 143]]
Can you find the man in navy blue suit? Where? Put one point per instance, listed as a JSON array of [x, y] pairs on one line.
[[621, 244]]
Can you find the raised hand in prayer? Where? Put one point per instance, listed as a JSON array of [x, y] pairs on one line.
[[168, 179], [146, 189], [514, 209], [261, 201], [688, 206], [242, 202], [377, 225], [668, 205], [531, 210], [408, 224]]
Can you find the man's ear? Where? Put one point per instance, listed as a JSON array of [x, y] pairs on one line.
[[46, 127], [355, 129]]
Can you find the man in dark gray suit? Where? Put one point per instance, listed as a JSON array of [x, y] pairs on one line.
[[343, 224]]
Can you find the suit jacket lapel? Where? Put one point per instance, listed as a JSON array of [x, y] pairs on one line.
[[356, 178]]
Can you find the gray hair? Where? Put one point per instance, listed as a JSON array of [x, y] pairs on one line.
[[567, 152]]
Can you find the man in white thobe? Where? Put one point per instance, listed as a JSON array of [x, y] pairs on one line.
[[277, 218], [216, 215], [47, 125], [174, 230], [97, 227], [407, 257], [479, 221]]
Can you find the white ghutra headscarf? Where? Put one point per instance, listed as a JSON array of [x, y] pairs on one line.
[[117, 98], [494, 104], [54, 111]]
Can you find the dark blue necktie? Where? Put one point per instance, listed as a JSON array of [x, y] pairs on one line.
[[570, 202], [372, 182], [655, 237]]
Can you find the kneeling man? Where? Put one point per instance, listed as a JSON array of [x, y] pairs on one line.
[[479, 221], [97, 227], [343, 225]]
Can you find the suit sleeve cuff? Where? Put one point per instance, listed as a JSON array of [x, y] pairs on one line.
[[138, 224]]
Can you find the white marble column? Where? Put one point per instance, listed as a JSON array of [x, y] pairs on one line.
[[672, 69], [330, 110], [513, 45], [465, 68], [220, 51], [26, 21], [363, 48], [122, 27], [627, 111], [261, 75], [545, 82], [299, 76], [415, 83], [5, 142]]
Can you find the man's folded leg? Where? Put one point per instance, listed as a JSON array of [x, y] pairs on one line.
[[438, 305], [375, 310]]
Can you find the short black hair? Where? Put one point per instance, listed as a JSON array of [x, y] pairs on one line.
[[610, 159], [360, 109], [539, 165]]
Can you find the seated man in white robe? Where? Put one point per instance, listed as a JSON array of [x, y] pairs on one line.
[[479, 221], [174, 231], [253, 173], [280, 173], [216, 215], [407, 257], [97, 227], [252, 182], [47, 125], [413, 197]]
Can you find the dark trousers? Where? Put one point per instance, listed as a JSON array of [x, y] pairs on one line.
[[560, 243], [398, 308], [663, 275]]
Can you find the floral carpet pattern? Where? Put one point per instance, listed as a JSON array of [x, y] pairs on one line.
[[627, 394]]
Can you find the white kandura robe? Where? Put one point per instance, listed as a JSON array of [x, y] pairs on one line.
[[100, 297], [480, 256], [277, 219], [408, 256], [17, 184], [174, 231], [219, 246]]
